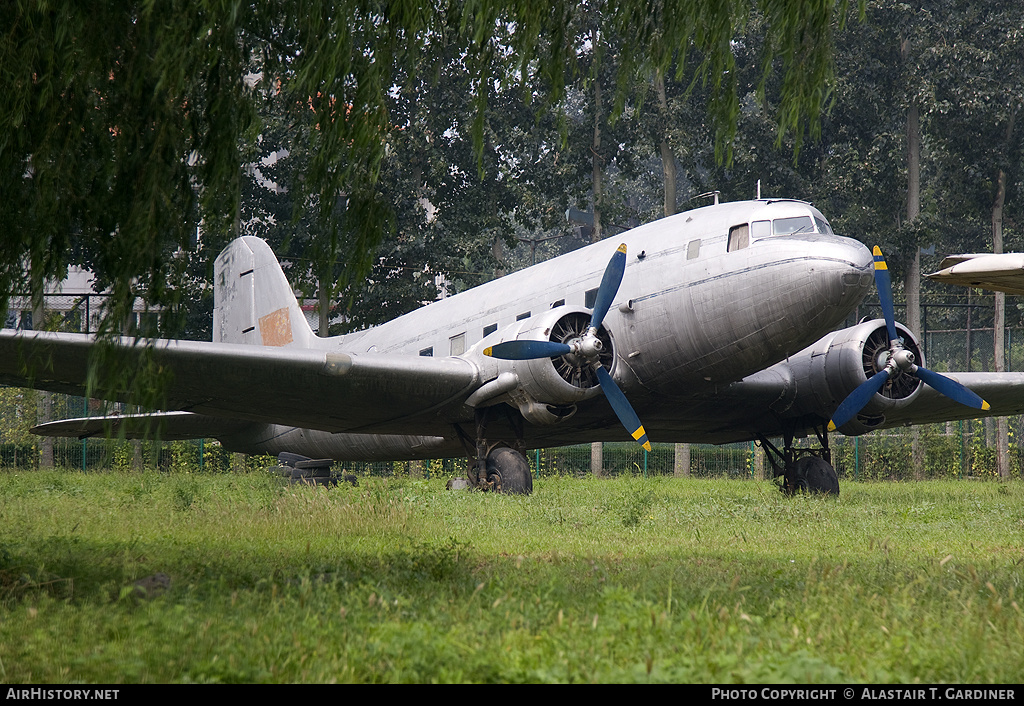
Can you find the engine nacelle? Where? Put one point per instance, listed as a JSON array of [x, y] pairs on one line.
[[548, 389], [825, 373]]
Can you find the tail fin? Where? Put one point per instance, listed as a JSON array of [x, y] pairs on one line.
[[252, 301]]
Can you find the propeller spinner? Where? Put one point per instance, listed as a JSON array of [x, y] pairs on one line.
[[587, 347], [899, 358]]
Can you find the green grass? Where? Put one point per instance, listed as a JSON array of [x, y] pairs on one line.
[[399, 580]]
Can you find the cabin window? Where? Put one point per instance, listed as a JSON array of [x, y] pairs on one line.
[[788, 226], [739, 237], [457, 344], [560, 302], [693, 250], [590, 298], [760, 229], [524, 315], [427, 351], [489, 329]]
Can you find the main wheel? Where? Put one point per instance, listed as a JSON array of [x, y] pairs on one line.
[[508, 471], [811, 474]]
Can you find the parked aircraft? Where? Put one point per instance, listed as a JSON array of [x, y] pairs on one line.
[[1001, 273], [715, 325]]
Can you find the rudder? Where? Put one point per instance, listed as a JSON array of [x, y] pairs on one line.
[[253, 301]]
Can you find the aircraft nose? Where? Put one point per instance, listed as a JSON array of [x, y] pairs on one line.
[[833, 273], [851, 268]]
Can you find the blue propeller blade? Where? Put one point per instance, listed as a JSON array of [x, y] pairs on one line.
[[527, 350], [857, 399], [884, 286], [951, 389], [609, 286], [860, 397], [623, 409]]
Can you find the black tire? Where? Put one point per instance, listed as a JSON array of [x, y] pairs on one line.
[[509, 472], [811, 474], [286, 458], [314, 468]]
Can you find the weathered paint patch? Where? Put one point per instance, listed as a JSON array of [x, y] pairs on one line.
[[276, 328]]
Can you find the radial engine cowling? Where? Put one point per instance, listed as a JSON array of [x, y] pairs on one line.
[[826, 372], [549, 388]]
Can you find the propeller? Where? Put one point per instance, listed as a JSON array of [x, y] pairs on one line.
[[900, 359], [587, 347]]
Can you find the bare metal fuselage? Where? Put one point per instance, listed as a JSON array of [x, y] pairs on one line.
[[690, 317]]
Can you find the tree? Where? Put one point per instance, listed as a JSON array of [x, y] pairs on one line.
[[126, 126], [979, 94]]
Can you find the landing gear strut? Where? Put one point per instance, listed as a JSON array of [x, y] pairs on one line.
[[497, 466], [803, 470]]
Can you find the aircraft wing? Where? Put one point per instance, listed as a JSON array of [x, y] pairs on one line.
[[1000, 273], [313, 389], [165, 426], [1003, 391]]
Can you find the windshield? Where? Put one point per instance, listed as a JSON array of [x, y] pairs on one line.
[[788, 226]]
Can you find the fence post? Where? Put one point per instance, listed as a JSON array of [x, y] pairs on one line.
[[597, 459], [856, 457], [962, 442], [682, 461], [85, 440]]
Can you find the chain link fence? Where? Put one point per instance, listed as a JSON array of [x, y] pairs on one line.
[[953, 450], [957, 336]]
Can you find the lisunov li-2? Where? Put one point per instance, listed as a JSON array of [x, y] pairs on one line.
[[716, 325]]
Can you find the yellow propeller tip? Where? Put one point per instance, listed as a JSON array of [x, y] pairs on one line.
[[831, 425], [487, 351], [985, 405], [876, 251], [621, 248]]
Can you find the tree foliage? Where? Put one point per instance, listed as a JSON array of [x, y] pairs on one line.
[[125, 127]]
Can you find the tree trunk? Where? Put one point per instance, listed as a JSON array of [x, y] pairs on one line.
[[498, 253], [999, 324], [668, 157], [324, 305], [913, 276], [668, 168], [912, 283], [597, 235], [44, 400]]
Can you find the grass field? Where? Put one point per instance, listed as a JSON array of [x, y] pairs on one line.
[[399, 580]]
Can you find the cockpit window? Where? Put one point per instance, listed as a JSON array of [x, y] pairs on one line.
[[788, 226], [823, 227], [739, 237], [760, 229]]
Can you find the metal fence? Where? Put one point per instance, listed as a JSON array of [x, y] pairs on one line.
[[954, 450], [957, 336]]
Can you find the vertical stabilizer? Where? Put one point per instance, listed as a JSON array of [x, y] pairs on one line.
[[253, 301]]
